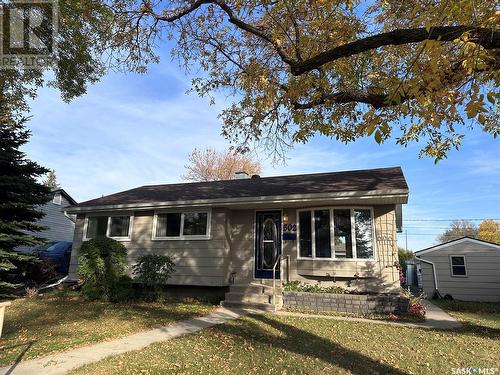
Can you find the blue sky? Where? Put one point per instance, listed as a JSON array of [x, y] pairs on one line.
[[131, 130]]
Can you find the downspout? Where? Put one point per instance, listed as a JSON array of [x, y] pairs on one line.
[[436, 290], [69, 217]]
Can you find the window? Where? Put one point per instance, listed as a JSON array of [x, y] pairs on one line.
[[118, 227], [458, 267], [342, 233], [97, 226], [182, 225], [322, 234], [364, 234], [305, 234], [57, 199], [195, 224], [336, 233], [168, 225]]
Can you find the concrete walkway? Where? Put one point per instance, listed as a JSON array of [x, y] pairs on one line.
[[60, 363], [436, 318]]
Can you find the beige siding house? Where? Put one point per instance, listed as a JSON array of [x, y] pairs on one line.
[[337, 228], [467, 269]]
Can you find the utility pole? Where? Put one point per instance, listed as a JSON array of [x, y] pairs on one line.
[[406, 235]]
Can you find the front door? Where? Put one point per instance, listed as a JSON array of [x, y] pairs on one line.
[[267, 243]]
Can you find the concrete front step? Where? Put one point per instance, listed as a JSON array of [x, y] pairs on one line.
[[255, 295], [248, 305], [254, 288]]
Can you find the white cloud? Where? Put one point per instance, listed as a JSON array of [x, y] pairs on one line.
[[109, 140]]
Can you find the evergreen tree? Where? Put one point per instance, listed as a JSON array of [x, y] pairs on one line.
[[51, 180], [20, 197]]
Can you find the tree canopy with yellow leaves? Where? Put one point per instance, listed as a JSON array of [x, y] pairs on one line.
[[411, 70], [418, 71], [489, 230]]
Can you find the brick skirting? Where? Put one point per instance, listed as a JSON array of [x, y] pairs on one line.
[[350, 303]]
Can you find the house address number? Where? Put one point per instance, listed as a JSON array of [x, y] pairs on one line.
[[289, 227]]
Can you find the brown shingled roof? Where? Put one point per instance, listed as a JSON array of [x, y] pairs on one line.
[[347, 181]]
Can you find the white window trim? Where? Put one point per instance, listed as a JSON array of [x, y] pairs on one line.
[[183, 237], [332, 236], [108, 226], [451, 266], [121, 238], [57, 201]]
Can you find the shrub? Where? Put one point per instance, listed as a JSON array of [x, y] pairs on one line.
[[416, 308], [102, 263], [153, 271], [41, 272], [123, 290]]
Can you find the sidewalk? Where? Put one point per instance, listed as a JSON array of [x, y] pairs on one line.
[[60, 363], [436, 318]]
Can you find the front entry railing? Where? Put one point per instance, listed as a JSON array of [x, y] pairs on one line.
[[278, 260]]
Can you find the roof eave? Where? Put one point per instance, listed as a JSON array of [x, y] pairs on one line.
[[396, 196], [455, 242]]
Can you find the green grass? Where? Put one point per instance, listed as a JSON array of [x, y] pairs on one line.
[[479, 314], [270, 344], [43, 325]]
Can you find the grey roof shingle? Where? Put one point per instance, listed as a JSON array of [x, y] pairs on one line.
[[347, 181]]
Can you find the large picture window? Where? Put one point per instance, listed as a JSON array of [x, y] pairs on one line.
[[182, 225], [117, 227], [336, 233]]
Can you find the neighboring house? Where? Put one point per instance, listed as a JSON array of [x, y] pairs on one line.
[[60, 225], [329, 227], [467, 269]]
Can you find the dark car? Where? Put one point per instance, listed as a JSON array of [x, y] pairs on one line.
[[58, 253]]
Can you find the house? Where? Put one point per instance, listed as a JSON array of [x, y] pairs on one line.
[[466, 269], [331, 227], [60, 225]]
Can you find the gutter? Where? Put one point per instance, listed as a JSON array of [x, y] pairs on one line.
[[397, 195], [436, 290]]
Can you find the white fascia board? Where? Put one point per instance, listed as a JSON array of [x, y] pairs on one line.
[[456, 242], [399, 196]]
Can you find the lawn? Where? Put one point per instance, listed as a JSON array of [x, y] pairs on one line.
[[43, 325], [479, 314], [270, 344]]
